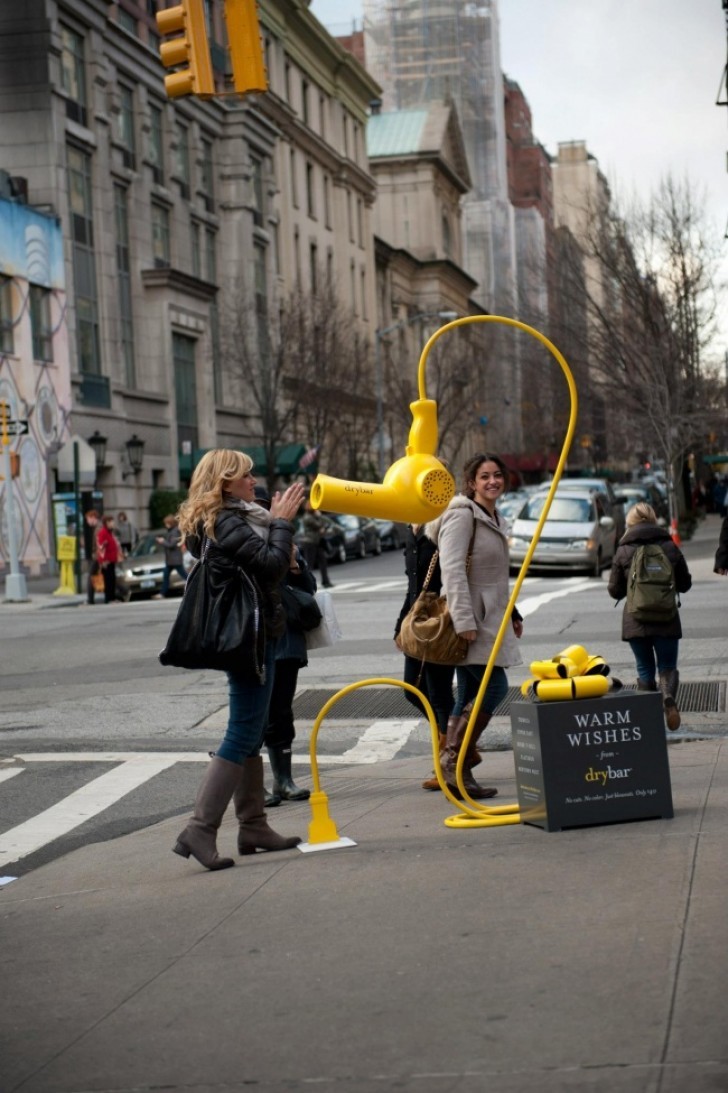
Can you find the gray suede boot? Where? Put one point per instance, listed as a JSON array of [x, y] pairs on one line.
[[199, 838], [669, 682], [249, 797]]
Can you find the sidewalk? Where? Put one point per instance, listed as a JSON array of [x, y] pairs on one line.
[[425, 958]]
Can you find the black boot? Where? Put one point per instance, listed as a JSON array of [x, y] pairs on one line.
[[283, 784]]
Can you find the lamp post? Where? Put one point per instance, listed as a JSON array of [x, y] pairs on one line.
[[379, 335]]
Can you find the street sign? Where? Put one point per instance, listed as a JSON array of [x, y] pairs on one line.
[[16, 427]]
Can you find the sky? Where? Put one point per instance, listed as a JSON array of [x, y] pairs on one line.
[[636, 79]]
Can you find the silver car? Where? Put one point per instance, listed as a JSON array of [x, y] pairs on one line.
[[140, 573], [578, 533]]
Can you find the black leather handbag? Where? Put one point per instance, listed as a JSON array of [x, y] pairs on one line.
[[219, 624], [302, 611]]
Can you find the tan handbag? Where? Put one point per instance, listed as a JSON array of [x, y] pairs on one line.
[[427, 632]]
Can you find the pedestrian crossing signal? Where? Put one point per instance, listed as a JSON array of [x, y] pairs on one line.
[[189, 50]]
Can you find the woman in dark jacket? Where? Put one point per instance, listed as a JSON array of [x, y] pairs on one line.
[[654, 644], [434, 680], [721, 554], [221, 508]]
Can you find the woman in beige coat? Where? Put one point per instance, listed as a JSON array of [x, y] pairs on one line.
[[477, 595]]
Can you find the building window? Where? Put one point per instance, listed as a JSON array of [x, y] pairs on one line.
[[327, 201], [313, 264], [183, 159], [322, 116], [256, 181], [156, 144], [6, 315], [211, 255], [329, 266], [127, 21], [287, 85], [305, 89], [73, 79], [359, 222], [310, 195], [350, 216], [297, 255], [294, 182], [446, 236], [126, 126], [123, 278], [363, 276], [160, 235], [260, 287], [195, 248], [345, 132], [84, 262], [185, 389], [40, 323], [352, 285], [216, 353], [208, 189]]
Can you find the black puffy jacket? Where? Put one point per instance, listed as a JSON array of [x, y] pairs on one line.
[[632, 538], [237, 544]]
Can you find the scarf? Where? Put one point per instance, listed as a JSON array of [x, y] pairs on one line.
[[254, 514]]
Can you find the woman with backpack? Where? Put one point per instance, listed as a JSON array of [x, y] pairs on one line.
[[649, 570]]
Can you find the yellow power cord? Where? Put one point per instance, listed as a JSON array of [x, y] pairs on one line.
[[472, 814]]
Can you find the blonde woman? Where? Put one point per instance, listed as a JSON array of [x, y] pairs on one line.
[[654, 644], [221, 508]]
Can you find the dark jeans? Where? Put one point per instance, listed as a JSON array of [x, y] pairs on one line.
[[648, 651], [435, 684], [281, 730], [93, 569], [496, 691], [315, 555], [109, 571], [248, 715], [168, 571]]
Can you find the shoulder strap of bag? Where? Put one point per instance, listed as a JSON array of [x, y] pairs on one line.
[[436, 555]]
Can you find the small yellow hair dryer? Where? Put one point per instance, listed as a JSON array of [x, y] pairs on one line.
[[416, 488]]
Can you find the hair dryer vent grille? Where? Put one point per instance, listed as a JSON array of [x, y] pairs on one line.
[[438, 487]]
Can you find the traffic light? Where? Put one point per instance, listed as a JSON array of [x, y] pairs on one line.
[[190, 49], [246, 51]]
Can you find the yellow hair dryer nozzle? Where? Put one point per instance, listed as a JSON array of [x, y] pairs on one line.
[[559, 690], [416, 488], [554, 669], [575, 653]]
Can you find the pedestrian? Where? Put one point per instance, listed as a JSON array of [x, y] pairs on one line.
[[221, 510], [721, 554], [126, 532], [314, 550], [108, 553], [472, 538], [173, 556], [434, 680], [291, 656], [653, 643], [92, 523]]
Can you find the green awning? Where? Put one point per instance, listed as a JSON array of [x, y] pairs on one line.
[[287, 457], [720, 458]]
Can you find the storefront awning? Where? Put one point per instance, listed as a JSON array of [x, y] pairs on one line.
[[287, 457]]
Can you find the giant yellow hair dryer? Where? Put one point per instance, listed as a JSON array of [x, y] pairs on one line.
[[416, 488]]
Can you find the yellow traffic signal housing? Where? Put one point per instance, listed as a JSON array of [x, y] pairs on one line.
[[246, 51], [190, 49]]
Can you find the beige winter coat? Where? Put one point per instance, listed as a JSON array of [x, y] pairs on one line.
[[477, 599]]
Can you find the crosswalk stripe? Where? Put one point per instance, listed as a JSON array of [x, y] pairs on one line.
[[80, 806], [9, 772], [381, 741]]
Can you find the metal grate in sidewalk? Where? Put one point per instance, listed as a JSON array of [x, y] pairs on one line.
[[389, 702]]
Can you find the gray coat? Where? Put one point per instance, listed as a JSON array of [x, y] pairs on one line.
[[632, 538], [477, 599]]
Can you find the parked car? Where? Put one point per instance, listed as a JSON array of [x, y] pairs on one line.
[[361, 536], [140, 574], [614, 500], [333, 539], [510, 506], [633, 492], [391, 534], [578, 534]]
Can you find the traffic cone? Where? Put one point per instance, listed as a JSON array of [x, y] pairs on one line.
[[674, 533]]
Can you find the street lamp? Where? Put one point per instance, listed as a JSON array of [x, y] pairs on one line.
[[135, 454], [98, 443], [379, 335]]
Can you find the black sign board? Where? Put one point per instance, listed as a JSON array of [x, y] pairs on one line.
[[591, 761]]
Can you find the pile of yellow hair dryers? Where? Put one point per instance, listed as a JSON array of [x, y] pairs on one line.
[[572, 673]]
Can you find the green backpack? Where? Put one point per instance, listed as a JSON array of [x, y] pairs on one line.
[[651, 585]]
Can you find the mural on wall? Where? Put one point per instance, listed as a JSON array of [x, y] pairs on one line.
[[35, 390]]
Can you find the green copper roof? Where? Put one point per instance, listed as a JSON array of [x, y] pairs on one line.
[[395, 134]]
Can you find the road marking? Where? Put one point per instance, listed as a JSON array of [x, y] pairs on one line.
[[9, 772], [381, 742], [80, 806], [528, 606], [386, 586]]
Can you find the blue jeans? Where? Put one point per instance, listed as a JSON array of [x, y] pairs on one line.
[[168, 571], [648, 650], [469, 680], [248, 715]]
